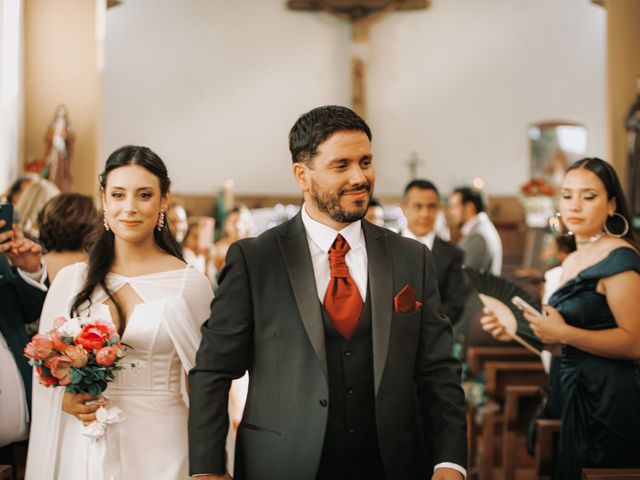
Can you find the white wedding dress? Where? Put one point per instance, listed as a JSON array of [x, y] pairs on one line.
[[163, 334]]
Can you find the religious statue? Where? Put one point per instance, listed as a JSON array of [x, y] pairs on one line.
[[59, 141], [632, 124]]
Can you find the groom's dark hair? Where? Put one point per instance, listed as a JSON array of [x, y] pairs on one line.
[[315, 126]]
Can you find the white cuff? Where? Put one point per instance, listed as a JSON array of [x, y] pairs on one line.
[[454, 466], [35, 279]]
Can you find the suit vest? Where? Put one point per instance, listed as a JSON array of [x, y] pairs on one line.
[[351, 449]]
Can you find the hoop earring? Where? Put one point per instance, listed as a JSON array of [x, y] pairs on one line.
[[625, 230], [557, 225], [106, 223], [160, 224]]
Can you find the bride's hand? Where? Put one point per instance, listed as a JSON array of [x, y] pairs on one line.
[[76, 404]]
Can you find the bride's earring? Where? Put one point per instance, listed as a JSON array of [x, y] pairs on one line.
[[106, 223], [160, 224]]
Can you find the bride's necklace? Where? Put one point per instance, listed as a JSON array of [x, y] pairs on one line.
[[592, 239]]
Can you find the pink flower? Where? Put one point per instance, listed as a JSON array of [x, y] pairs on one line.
[[43, 346], [60, 367], [77, 355], [93, 336], [30, 351], [106, 356], [46, 381], [58, 322], [119, 350], [58, 343]]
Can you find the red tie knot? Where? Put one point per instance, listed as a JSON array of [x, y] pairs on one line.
[[337, 254]]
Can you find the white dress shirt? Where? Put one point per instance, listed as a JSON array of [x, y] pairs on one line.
[[320, 237], [36, 279], [427, 239]]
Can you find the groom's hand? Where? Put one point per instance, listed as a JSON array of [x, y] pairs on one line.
[[447, 474]]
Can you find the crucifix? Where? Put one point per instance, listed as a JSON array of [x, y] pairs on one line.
[[361, 14], [413, 163]]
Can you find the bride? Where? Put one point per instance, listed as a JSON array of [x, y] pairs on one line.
[[135, 278]]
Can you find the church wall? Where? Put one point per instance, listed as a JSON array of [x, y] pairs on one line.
[[63, 65], [11, 100], [214, 86]]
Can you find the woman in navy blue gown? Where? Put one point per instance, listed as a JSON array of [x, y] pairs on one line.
[[595, 316]]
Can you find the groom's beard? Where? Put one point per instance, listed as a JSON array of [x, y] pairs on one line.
[[330, 204]]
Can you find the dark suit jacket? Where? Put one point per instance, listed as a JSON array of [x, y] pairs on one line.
[[448, 260], [20, 303], [266, 318]]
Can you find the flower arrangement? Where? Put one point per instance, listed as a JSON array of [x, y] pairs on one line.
[[80, 354], [537, 197], [537, 186]]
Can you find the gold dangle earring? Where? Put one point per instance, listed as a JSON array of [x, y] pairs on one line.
[[160, 224], [106, 223]]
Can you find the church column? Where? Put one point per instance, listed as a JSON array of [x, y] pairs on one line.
[[63, 64], [623, 67], [11, 104]]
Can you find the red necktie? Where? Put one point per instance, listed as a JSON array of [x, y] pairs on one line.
[[342, 300]]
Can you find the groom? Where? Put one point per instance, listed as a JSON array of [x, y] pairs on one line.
[[339, 324]]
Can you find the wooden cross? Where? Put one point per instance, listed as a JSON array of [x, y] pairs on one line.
[[361, 14], [413, 163]]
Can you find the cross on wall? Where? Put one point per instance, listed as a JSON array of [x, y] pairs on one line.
[[361, 14]]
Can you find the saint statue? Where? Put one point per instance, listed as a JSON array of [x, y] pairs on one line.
[[59, 141]]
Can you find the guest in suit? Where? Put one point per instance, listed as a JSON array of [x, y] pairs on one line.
[[375, 212], [22, 292], [480, 239], [339, 323], [421, 206]]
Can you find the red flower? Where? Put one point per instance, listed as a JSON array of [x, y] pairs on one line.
[[106, 356], [93, 336], [46, 381]]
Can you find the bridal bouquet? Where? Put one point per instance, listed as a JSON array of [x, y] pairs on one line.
[[80, 354]]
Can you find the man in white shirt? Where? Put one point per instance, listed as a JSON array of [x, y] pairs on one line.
[[480, 239], [421, 206], [22, 293], [339, 324]]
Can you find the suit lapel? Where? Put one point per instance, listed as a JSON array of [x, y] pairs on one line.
[[381, 290], [295, 251]]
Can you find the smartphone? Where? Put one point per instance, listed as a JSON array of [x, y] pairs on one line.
[[525, 307], [6, 214]]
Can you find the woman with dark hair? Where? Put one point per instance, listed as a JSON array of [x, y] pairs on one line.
[[136, 279], [66, 223], [595, 316]]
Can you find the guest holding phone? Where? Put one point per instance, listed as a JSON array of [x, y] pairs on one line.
[[22, 293], [595, 316]]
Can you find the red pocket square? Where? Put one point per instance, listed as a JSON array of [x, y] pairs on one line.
[[405, 301]]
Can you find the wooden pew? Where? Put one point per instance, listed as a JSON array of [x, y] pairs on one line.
[[611, 474], [547, 440], [476, 358], [5, 472], [498, 376], [520, 406]]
